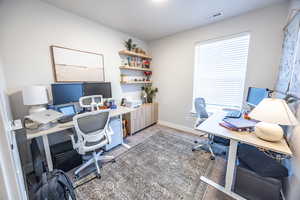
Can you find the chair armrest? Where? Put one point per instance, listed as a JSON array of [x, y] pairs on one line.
[[199, 121], [75, 145]]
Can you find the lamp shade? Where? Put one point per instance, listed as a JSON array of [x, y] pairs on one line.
[[35, 95], [275, 111]]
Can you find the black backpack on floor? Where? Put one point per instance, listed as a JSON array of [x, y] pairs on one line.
[[54, 185]]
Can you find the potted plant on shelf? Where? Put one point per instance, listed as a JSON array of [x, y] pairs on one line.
[[129, 45], [149, 93]]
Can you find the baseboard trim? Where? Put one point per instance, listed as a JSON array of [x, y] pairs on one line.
[[179, 127]]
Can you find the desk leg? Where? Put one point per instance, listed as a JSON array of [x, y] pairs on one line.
[[123, 144], [231, 163], [230, 173], [47, 152]]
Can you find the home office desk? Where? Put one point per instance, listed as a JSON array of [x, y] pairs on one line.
[[61, 127], [211, 126]]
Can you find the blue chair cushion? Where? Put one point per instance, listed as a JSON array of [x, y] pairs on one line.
[[260, 163]]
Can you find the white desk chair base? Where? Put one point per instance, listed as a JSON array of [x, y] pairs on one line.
[[95, 158], [207, 143]]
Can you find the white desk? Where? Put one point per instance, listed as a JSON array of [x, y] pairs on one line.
[[211, 126], [61, 127]]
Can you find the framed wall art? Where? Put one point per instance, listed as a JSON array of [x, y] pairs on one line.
[[71, 65]]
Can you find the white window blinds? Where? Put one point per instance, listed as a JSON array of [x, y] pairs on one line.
[[220, 71]]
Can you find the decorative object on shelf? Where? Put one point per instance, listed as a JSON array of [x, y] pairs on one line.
[[148, 75], [149, 93], [129, 45], [71, 65], [123, 102], [146, 63], [140, 51], [123, 77], [271, 112], [125, 61]]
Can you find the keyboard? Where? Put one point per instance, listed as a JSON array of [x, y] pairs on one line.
[[233, 114], [65, 119]]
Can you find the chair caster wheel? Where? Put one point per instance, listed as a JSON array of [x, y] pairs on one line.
[[98, 176], [196, 142], [193, 150], [76, 177], [113, 160], [212, 158]]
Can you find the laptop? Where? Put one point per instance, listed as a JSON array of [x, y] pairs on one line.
[[68, 113]]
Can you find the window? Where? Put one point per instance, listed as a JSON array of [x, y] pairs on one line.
[[220, 71]]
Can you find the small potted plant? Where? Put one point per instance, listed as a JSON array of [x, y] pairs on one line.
[[129, 45], [149, 93]]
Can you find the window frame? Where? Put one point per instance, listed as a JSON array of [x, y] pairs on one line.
[[214, 108]]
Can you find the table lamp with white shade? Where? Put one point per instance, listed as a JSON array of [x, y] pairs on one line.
[[271, 113], [36, 97]]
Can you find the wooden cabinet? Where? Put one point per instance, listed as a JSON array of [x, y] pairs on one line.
[[142, 117]]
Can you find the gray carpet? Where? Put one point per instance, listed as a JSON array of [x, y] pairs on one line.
[[162, 167]]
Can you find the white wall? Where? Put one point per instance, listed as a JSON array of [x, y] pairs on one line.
[[173, 58], [28, 28], [3, 192], [8, 184]]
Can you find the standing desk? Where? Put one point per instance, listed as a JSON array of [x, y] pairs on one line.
[[61, 127], [211, 126]]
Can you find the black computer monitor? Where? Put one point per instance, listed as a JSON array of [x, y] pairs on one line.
[[63, 93], [256, 95], [98, 88]]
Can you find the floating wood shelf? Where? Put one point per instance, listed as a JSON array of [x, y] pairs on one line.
[[135, 82], [136, 68], [130, 53]]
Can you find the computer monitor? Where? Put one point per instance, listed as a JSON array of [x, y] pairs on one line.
[[63, 93], [256, 95], [98, 88]]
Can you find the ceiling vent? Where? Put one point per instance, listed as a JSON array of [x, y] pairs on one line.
[[216, 15]]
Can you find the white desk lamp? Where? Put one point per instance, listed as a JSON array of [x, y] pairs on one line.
[[36, 97], [271, 112]]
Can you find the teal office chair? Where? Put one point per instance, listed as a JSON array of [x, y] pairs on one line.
[[202, 115]]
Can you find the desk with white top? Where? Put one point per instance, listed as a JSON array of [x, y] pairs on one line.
[[61, 127], [211, 126]]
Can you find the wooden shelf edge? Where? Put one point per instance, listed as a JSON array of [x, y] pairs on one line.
[[130, 53], [135, 68], [135, 82]]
